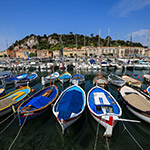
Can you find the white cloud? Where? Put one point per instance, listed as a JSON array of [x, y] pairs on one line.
[[142, 36], [124, 7]]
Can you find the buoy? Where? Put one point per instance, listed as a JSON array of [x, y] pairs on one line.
[[118, 89], [145, 91], [142, 76], [138, 77], [33, 90], [20, 86], [37, 76], [110, 121], [11, 76]]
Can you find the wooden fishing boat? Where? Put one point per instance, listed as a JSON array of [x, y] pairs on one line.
[[69, 106], [146, 77], [100, 81], [51, 78], [136, 102], [104, 108], [15, 79], [116, 80], [37, 103], [9, 102], [65, 77], [131, 81], [77, 79], [30, 79], [2, 91]]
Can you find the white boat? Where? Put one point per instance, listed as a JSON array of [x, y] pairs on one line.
[[104, 108], [51, 78], [146, 77], [116, 80], [136, 102], [69, 106]]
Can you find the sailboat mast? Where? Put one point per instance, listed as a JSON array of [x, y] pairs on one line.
[[99, 38]]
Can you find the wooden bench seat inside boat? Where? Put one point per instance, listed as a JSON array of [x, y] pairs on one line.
[[138, 102], [5, 102], [47, 93]]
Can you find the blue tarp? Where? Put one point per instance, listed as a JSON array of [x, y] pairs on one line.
[[70, 102], [92, 61], [39, 101]]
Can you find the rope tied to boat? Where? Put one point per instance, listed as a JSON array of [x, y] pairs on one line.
[[8, 125], [18, 133], [125, 128], [7, 118], [97, 131]]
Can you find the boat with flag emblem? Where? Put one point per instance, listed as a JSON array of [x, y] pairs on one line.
[[104, 108], [9, 102], [69, 106], [37, 103]]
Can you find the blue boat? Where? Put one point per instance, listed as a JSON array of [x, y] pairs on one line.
[[15, 79], [77, 79], [148, 89], [65, 77], [104, 108], [37, 103], [69, 106], [32, 78], [11, 101]]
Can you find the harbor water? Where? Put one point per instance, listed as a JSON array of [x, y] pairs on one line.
[[44, 132]]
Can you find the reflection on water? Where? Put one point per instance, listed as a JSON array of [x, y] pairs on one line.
[[44, 132]]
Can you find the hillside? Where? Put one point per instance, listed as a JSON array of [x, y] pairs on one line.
[[54, 41]]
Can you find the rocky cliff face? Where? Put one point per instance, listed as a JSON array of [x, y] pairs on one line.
[[33, 41]]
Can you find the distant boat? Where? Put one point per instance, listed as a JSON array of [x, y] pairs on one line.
[[12, 100], [65, 77], [37, 103], [146, 77], [132, 82], [15, 79], [116, 80], [2, 91], [27, 80], [77, 79], [100, 81], [137, 103], [104, 108], [51, 78], [69, 106]]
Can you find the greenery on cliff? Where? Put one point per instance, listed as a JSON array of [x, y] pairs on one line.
[[56, 41]]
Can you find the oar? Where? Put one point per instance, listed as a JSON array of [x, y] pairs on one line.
[[128, 120]]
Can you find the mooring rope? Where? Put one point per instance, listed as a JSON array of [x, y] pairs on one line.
[[8, 125], [6, 118], [107, 144], [125, 128], [97, 131], [18, 133]]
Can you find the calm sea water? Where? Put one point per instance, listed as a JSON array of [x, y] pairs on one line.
[[44, 132]]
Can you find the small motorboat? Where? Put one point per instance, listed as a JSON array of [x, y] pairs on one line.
[[30, 79], [65, 77], [69, 106], [77, 79], [136, 102], [116, 80], [131, 81], [37, 103], [51, 78], [104, 108], [11, 101]]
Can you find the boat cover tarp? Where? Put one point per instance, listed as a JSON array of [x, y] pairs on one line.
[[32, 76], [77, 76], [18, 77], [70, 103], [38, 102], [65, 76]]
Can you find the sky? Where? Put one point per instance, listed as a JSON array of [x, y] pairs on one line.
[[20, 18]]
